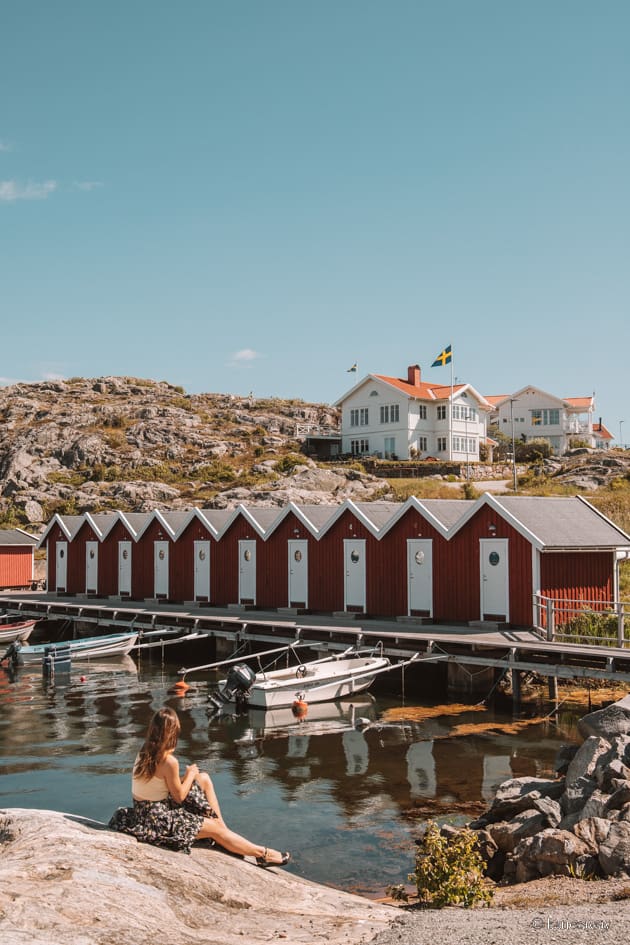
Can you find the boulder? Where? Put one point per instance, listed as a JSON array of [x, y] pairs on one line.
[[614, 852], [69, 881], [507, 834], [551, 851], [518, 794], [592, 831], [608, 722], [586, 757]]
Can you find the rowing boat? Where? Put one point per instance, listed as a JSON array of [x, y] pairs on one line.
[[15, 630], [114, 644]]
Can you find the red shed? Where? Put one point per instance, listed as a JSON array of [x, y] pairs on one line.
[[17, 566], [65, 571]]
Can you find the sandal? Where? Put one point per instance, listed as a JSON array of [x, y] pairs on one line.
[[266, 863]]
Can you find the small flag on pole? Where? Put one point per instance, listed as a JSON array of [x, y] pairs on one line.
[[353, 369], [445, 357]]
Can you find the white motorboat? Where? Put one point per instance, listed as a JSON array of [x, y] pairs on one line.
[[15, 630], [323, 680], [114, 644]]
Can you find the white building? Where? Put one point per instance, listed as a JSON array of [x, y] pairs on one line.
[[396, 418], [532, 413]]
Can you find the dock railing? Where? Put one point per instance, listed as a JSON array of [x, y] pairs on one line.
[[592, 623]]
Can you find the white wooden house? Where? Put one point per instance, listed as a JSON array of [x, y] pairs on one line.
[[406, 418], [532, 413]]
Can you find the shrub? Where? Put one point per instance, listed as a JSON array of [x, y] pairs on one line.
[[449, 870], [590, 625], [288, 462]]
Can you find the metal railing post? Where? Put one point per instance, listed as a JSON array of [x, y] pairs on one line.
[[550, 620], [620, 624]]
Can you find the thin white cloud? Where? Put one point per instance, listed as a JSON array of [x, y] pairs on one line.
[[52, 376], [245, 355], [88, 184], [11, 190], [8, 381]]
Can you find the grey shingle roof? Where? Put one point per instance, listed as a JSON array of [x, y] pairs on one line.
[[447, 511], [13, 536], [563, 522]]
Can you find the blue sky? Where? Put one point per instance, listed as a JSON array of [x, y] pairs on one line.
[[238, 195]]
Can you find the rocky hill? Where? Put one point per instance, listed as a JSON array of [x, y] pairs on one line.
[[136, 445], [132, 444]]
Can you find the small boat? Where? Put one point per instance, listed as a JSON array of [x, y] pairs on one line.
[[115, 644], [323, 680], [15, 630]]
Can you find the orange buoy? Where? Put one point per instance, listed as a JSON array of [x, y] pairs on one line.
[[299, 708], [180, 687]]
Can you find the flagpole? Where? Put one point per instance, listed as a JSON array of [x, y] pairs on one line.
[[450, 418]]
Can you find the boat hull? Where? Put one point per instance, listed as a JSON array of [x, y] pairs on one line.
[[324, 681], [113, 645], [16, 631]]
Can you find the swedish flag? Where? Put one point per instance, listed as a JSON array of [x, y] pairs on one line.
[[353, 369], [445, 357]]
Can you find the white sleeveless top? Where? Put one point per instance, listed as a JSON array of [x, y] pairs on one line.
[[154, 789]]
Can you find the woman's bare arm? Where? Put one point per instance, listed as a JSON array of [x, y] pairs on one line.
[[177, 788]]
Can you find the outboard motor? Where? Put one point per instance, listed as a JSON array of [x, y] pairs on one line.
[[238, 682], [12, 655]]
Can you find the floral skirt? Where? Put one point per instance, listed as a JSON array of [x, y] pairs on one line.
[[165, 823]]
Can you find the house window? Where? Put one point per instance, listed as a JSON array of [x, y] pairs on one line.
[[357, 447], [354, 418], [363, 416], [547, 418], [422, 444], [441, 412], [422, 412], [390, 413], [463, 444], [441, 444], [390, 447]]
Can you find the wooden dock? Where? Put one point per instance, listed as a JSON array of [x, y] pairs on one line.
[[482, 645]]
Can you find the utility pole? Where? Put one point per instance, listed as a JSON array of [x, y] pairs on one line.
[[512, 402]]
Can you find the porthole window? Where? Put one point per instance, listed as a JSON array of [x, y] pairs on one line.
[[161, 555], [91, 553], [61, 553], [298, 555], [419, 556], [202, 555], [248, 555], [125, 554], [354, 556], [494, 558]]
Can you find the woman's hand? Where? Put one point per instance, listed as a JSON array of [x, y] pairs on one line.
[[192, 770]]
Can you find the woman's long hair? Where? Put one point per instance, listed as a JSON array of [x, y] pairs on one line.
[[161, 738]]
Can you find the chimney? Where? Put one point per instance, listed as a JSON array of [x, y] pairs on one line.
[[413, 375]]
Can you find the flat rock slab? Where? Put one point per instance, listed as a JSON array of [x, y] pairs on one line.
[[70, 881]]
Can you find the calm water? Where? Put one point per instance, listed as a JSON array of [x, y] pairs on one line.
[[338, 797]]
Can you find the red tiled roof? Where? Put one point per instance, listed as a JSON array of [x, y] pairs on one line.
[[603, 432], [495, 399], [421, 391], [579, 401]]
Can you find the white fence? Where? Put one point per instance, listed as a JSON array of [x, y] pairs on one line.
[[592, 623]]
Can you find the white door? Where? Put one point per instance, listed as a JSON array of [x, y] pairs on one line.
[[298, 573], [202, 570], [420, 577], [247, 572], [160, 568], [61, 570], [493, 562], [354, 566], [124, 568], [91, 567]]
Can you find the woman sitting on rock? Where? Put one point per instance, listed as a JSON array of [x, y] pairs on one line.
[[173, 812]]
